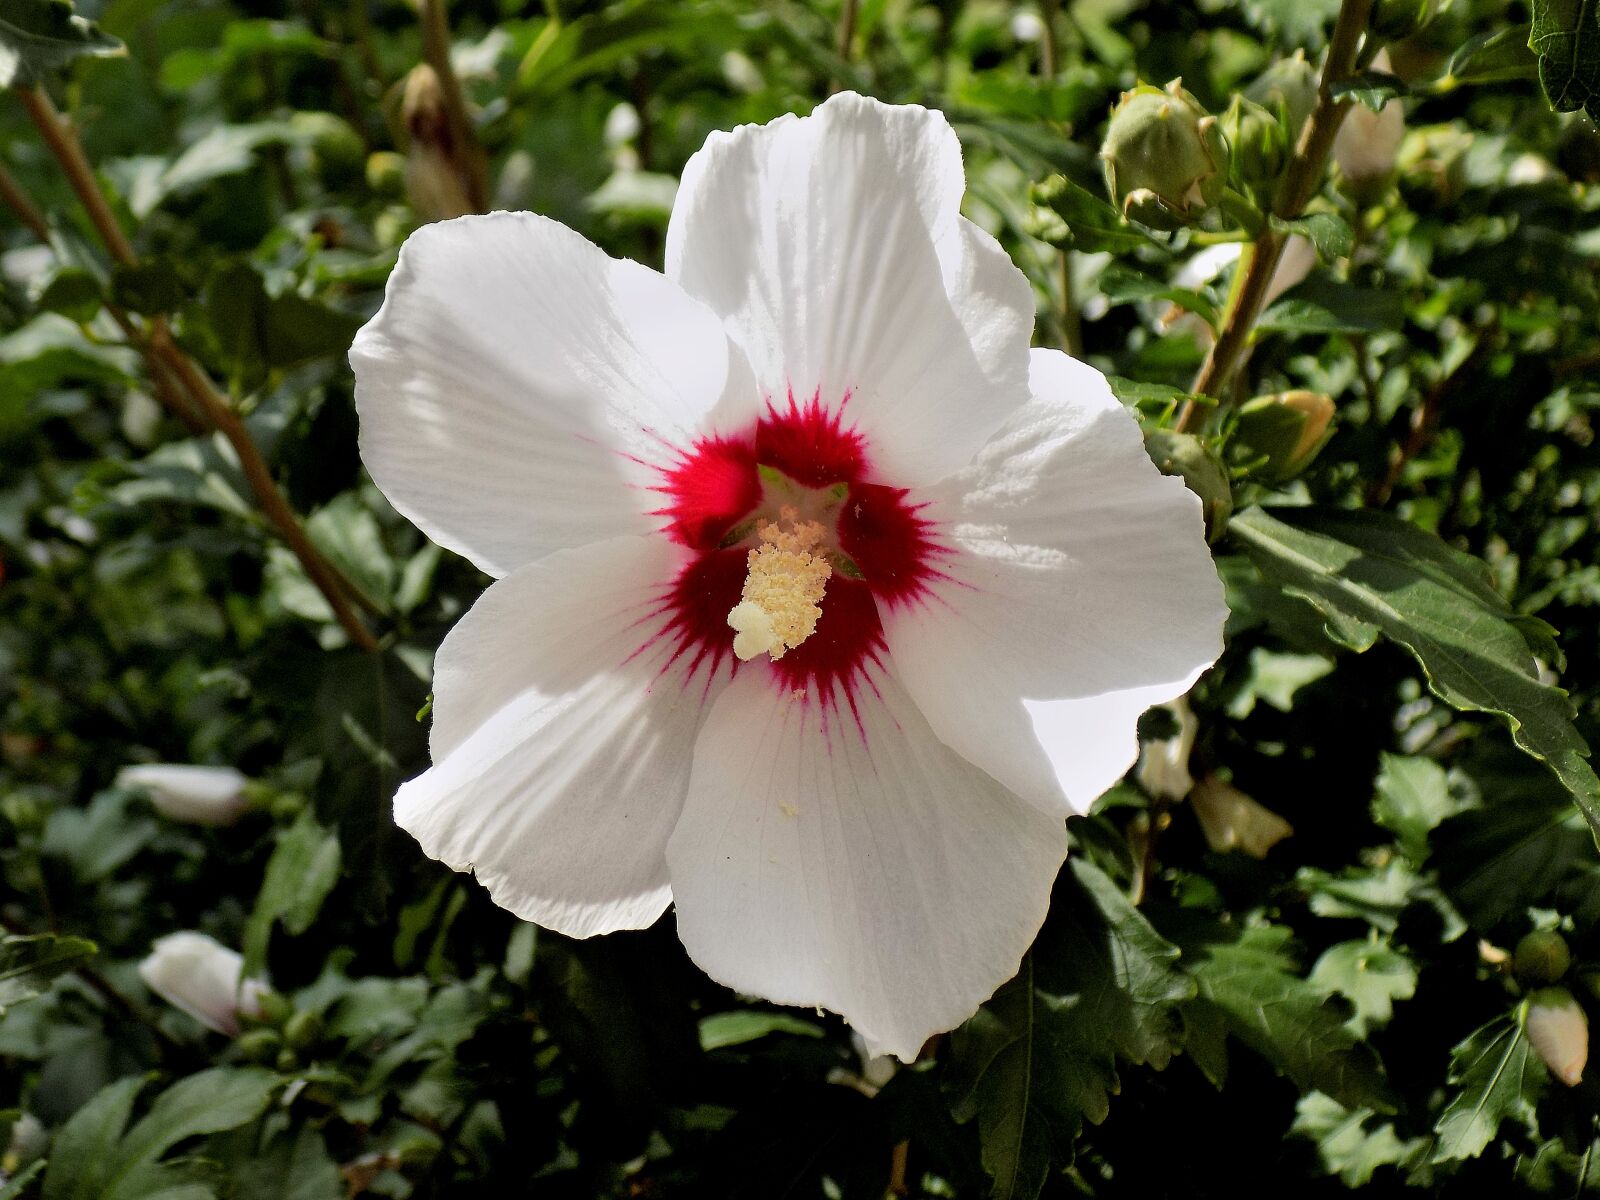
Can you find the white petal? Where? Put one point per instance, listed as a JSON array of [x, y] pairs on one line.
[[855, 863], [1078, 575], [518, 387], [562, 740], [833, 248]]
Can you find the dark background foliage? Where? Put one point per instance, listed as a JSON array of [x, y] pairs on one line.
[[1336, 1013]]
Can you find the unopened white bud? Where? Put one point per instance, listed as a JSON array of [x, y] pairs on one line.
[[200, 976], [1367, 144], [197, 795], [1559, 1032]]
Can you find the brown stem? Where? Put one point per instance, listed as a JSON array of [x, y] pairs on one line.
[[1425, 420], [276, 509], [898, 1160], [63, 143], [847, 28], [1299, 184], [436, 53], [18, 202], [180, 368]]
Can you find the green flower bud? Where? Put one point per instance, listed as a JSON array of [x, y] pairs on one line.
[[1559, 1032], [386, 173], [302, 1030], [1395, 19], [1257, 144], [273, 1009], [287, 1060], [259, 1045], [1166, 161], [1287, 429], [1290, 87], [1541, 957], [1186, 456]]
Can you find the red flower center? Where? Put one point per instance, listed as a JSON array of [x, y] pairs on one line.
[[886, 552]]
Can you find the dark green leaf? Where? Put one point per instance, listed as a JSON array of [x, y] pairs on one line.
[[1371, 975], [1328, 232], [1040, 1058], [80, 1158], [1250, 978], [1120, 285], [1566, 36], [208, 1102], [1370, 573], [1330, 306], [28, 963], [39, 37], [302, 871], [151, 287], [73, 293], [1498, 1077], [1372, 88], [1074, 216], [1491, 58]]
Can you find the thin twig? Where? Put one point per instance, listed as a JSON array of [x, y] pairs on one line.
[[1300, 182], [273, 505], [179, 367], [1067, 316], [1425, 419], [18, 202], [898, 1160]]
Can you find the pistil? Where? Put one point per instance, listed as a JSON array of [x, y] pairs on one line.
[[783, 588]]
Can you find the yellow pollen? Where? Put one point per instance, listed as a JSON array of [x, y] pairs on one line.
[[782, 598]]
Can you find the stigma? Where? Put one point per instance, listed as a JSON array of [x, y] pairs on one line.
[[784, 583]]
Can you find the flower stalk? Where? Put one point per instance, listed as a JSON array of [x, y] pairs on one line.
[[1299, 183], [174, 371], [469, 158]]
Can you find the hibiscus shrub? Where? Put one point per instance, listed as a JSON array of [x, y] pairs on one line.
[[1336, 927]]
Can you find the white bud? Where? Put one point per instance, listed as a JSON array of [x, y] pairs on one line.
[[1367, 144], [1231, 820], [202, 977], [622, 125], [1559, 1031], [197, 795], [1164, 766], [1027, 26]]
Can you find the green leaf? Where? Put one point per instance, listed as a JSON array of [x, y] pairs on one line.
[[152, 286], [1371, 975], [1040, 1057], [29, 962], [1498, 1077], [18, 1183], [1492, 57], [736, 1028], [74, 293], [1371, 88], [1351, 1143], [1413, 797], [81, 1153], [1121, 285], [1328, 232], [38, 37], [1328, 306], [1249, 977], [1566, 36], [208, 1102], [1074, 216], [1370, 573], [302, 871]]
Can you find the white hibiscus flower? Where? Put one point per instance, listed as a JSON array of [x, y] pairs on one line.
[[822, 600]]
